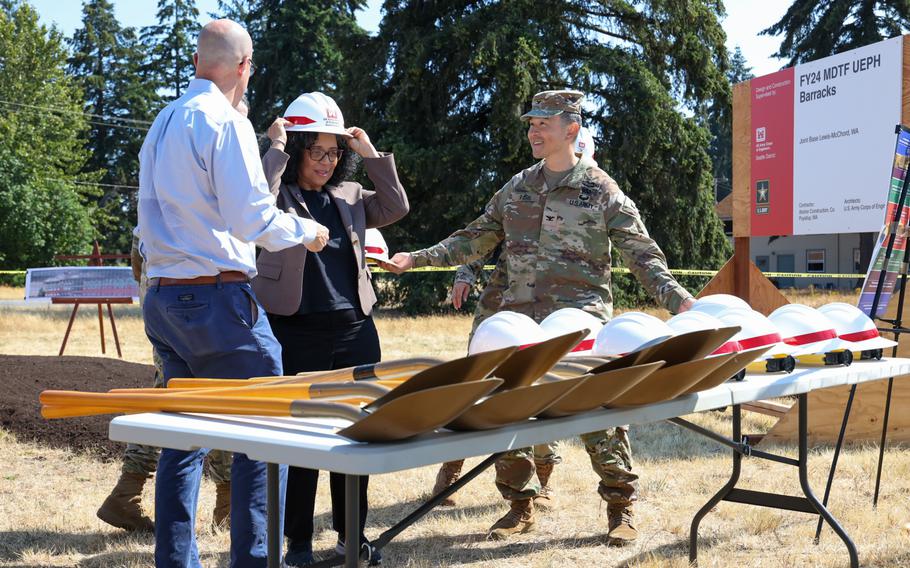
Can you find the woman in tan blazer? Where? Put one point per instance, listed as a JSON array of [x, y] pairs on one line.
[[319, 304]]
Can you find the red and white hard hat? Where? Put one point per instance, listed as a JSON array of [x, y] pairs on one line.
[[808, 330], [505, 329], [374, 247], [697, 321], [714, 304], [756, 331], [584, 143], [315, 112], [568, 320], [853, 325], [628, 332]]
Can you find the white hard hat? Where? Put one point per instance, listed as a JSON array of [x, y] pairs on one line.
[[505, 329], [315, 112], [584, 143], [628, 332], [852, 324], [714, 304], [756, 331], [697, 321], [374, 247], [808, 330], [568, 320]]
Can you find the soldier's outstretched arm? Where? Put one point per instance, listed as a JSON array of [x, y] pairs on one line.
[[476, 241], [642, 255]]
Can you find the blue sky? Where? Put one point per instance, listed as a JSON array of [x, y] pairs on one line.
[[745, 18]]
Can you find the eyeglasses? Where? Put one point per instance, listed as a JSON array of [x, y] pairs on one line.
[[317, 154], [252, 65]]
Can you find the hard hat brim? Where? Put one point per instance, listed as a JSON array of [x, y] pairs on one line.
[[874, 343], [311, 128]]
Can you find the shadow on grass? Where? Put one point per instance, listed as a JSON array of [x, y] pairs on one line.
[[13, 544]]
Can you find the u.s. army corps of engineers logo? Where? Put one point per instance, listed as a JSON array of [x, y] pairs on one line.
[[762, 197]]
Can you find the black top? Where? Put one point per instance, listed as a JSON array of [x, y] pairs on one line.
[[329, 276]]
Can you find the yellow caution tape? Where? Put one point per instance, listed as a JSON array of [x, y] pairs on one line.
[[615, 270], [674, 271]]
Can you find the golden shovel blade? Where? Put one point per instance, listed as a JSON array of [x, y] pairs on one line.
[[514, 405], [669, 382], [465, 369], [675, 349], [526, 366], [418, 412], [600, 390], [723, 373]]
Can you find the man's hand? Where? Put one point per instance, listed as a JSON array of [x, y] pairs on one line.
[[460, 293], [401, 262], [360, 143], [686, 305], [317, 244], [277, 131]]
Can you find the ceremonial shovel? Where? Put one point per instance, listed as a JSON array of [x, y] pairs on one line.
[[404, 417], [599, 390]]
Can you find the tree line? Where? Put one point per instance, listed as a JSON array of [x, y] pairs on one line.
[[441, 84]]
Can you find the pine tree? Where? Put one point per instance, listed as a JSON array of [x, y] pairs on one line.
[[298, 46], [121, 95], [173, 42], [443, 84], [813, 29], [43, 209]]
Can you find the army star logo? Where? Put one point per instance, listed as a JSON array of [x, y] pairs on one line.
[[762, 197]]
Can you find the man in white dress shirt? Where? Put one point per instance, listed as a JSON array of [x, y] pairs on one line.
[[203, 206]]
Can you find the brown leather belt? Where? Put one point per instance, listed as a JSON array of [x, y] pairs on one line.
[[224, 277]]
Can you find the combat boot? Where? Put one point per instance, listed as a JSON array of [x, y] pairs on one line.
[[221, 514], [123, 508], [546, 499], [519, 519], [620, 523], [448, 474]]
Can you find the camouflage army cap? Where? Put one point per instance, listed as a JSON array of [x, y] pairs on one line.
[[553, 103]]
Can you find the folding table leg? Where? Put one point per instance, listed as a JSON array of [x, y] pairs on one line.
[[724, 491], [273, 528], [351, 521], [807, 489]]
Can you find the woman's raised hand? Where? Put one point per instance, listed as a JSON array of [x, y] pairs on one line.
[[360, 143], [277, 131]]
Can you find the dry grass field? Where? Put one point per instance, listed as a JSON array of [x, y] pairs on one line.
[[48, 497]]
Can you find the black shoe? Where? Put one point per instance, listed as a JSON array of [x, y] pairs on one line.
[[368, 552], [299, 555]]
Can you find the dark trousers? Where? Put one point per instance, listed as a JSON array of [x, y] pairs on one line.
[[321, 342], [209, 331]]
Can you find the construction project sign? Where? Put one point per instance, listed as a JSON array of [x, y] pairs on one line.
[[822, 142]]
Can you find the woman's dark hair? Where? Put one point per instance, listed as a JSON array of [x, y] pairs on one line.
[[300, 141]]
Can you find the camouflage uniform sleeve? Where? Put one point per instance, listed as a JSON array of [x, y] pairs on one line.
[[641, 254], [136, 258], [469, 272], [476, 241]]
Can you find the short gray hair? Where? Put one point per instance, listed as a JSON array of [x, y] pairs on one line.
[[570, 117]]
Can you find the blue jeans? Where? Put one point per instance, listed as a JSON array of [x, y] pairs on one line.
[[217, 331]]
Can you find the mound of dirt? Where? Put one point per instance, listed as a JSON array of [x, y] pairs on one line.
[[23, 377]]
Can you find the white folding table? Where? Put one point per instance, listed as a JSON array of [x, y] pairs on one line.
[[313, 443]]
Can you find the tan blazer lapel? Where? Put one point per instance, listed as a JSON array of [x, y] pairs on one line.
[[344, 211]]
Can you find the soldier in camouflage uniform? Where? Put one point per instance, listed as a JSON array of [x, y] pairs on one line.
[[546, 456], [123, 508], [557, 222]]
